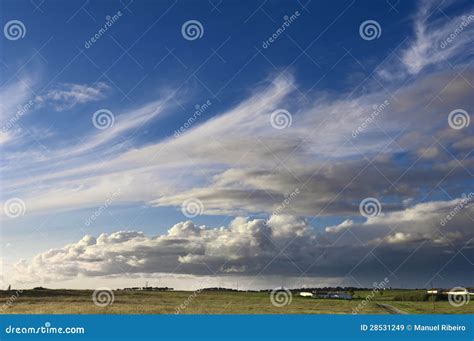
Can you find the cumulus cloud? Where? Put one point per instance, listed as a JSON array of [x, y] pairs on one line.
[[281, 245]]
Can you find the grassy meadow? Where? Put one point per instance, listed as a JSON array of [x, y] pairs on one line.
[[215, 302]]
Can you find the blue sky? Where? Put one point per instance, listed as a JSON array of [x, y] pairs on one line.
[[369, 119]]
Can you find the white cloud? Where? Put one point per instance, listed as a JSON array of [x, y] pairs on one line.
[[18, 99], [237, 163], [341, 227], [14, 98], [437, 39], [13, 95], [253, 247], [67, 95], [5, 137]]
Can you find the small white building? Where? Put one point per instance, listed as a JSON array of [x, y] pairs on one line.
[[306, 294]]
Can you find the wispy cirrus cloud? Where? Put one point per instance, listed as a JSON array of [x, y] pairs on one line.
[[67, 95], [238, 156], [438, 38], [14, 97], [19, 99], [237, 163]]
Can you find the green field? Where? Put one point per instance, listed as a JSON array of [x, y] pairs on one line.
[[214, 302]]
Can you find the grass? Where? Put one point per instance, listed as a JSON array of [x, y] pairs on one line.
[[209, 302], [442, 307]]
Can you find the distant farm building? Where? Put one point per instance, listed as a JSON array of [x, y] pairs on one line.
[[335, 295], [327, 294], [443, 294], [147, 289], [306, 294], [461, 291]]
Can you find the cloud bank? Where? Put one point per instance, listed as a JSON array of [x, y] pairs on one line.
[[279, 246]]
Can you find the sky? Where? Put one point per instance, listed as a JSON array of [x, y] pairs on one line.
[[248, 144]]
